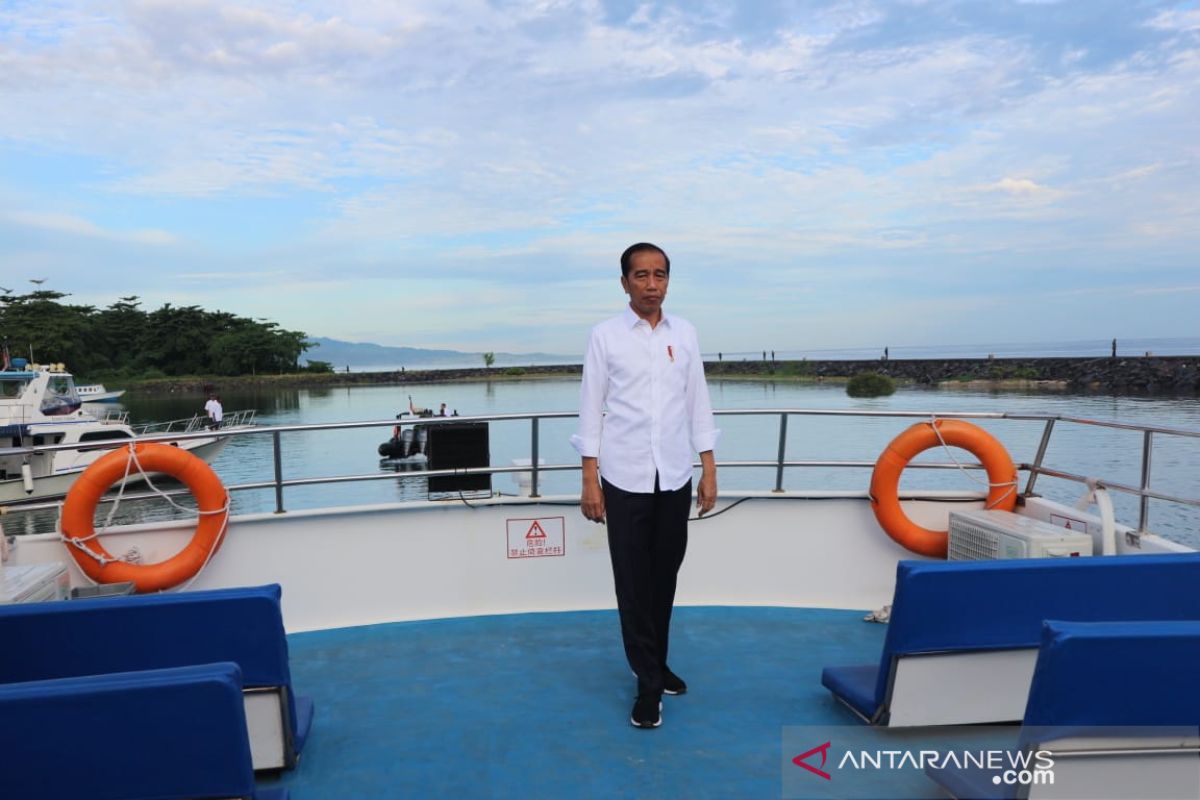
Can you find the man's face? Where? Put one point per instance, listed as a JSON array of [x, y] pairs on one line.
[[646, 282]]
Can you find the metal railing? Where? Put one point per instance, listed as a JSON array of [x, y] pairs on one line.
[[196, 422], [780, 463]]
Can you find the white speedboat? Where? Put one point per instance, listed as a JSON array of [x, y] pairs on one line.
[[471, 649], [96, 393], [41, 406]]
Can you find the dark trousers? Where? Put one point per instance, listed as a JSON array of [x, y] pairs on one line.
[[647, 537]]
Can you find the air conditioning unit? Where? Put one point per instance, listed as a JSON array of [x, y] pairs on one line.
[[985, 535]]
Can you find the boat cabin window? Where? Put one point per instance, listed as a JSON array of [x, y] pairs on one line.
[[62, 386], [10, 387], [41, 439], [100, 436], [60, 396]]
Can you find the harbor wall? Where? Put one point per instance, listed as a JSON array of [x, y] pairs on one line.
[[1121, 375], [1157, 375]]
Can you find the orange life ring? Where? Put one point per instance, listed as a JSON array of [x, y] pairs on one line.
[[885, 481], [80, 507]]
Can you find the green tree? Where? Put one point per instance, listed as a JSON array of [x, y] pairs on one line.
[[255, 347], [184, 340], [119, 332], [489, 358], [37, 326], [177, 340]]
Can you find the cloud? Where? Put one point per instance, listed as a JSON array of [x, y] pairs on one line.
[[1176, 19], [1022, 187], [77, 226], [485, 153]]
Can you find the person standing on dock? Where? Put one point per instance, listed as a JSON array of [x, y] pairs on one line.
[[644, 366]]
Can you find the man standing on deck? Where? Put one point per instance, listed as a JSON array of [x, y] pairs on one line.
[[214, 410], [644, 368]]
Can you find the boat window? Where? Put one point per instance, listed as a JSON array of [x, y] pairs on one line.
[[62, 385], [60, 396], [12, 388], [100, 436], [41, 439]]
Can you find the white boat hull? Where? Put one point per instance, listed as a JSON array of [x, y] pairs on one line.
[[48, 487], [424, 560], [96, 393], [103, 397]]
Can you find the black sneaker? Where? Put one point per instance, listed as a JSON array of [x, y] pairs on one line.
[[647, 712], [672, 683]]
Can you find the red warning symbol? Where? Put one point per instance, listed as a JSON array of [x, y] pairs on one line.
[[535, 531], [1070, 523]]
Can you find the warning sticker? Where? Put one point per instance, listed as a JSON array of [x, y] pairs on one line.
[[536, 538], [1070, 523]]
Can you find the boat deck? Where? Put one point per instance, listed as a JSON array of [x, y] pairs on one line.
[[537, 705]]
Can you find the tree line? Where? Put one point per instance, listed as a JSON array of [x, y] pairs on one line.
[[123, 339]]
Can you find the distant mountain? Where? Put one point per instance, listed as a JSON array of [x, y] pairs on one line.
[[365, 356]]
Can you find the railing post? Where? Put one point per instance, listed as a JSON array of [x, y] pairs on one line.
[[1144, 511], [533, 461], [278, 473], [1037, 460], [782, 448]]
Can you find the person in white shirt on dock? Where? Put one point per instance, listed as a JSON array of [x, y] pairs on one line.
[[644, 368]]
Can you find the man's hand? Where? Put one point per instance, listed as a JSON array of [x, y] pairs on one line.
[[706, 493], [592, 501]]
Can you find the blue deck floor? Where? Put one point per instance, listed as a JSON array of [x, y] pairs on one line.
[[537, 705]]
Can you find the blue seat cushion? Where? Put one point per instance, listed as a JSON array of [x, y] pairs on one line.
[[85, 637], [165, 734], [1082, 682], [947, 606], [89, 637], [855, 685]]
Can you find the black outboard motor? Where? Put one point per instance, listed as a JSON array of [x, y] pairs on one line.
[[402, 446]]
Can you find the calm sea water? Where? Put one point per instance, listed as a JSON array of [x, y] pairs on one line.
[[1111, 454]]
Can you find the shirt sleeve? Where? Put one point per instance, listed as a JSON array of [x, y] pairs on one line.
[[704, 428], [586, 440]]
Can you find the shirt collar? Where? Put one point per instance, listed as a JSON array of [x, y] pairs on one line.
[[631, 319]]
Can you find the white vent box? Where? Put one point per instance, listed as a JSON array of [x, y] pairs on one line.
[[984, 535], [34, 583]]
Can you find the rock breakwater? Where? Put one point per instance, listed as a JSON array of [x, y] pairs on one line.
[[1158, 375], [1122, 375]]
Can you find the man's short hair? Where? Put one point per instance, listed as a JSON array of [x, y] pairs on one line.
[[641, 247]]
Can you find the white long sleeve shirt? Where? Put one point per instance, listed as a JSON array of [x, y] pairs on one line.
[[651, 381]]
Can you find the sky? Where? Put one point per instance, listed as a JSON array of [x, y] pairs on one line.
[[465, 174]]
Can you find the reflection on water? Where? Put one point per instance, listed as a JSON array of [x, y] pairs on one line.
[[408, 487], [1112, 454]]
